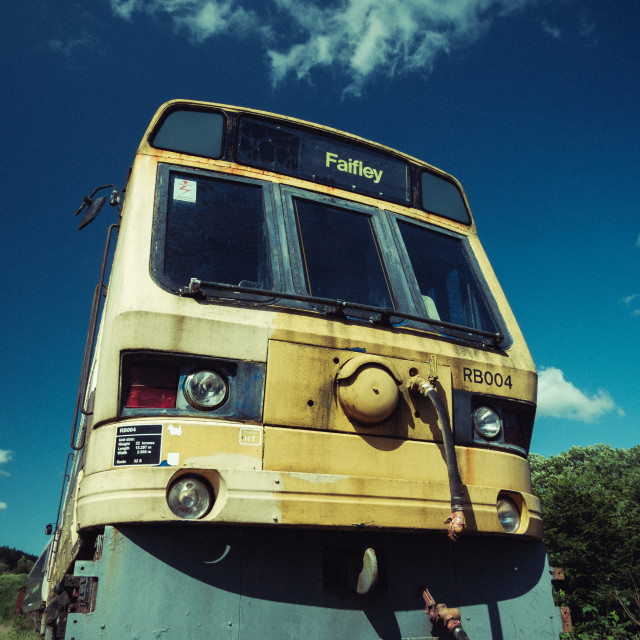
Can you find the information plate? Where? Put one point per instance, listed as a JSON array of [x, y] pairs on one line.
[[139, 444]]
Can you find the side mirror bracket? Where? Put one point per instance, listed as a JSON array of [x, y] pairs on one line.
[[93, 205]]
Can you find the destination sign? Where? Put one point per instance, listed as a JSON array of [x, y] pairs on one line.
[[321, 158]]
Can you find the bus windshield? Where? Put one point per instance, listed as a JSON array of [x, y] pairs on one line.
[[340, 253], [448, 287], [245, 235]]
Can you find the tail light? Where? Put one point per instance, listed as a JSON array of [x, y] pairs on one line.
[[517, 428], [152, 387]]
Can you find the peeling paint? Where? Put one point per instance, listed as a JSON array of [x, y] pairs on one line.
[[175, 431]]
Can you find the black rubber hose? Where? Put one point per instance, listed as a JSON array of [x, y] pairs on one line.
[[455, 483]]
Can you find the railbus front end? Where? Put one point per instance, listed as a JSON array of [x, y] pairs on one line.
[[308, 401]]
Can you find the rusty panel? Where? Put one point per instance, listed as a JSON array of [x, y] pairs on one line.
[[301, 392]]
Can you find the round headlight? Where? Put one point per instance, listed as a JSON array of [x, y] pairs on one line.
[[189, 498], [487, 422], [508, 514], [205, 390]]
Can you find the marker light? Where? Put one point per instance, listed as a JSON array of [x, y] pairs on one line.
[[508, 514], [487, 423], [205, 390], [189, 498]]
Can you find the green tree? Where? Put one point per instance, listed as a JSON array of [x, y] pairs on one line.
[[591, 505], [24, 565]]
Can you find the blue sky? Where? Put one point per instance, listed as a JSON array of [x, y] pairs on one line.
[[532, 105]]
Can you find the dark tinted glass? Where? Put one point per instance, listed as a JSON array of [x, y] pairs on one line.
[[449, 289], [443, 198], [216, 231], [322, 159], [198, 133], [340, 255]]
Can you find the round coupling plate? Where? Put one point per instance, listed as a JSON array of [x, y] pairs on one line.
[[368, 389]]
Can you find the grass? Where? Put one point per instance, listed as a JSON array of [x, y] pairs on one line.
[[9, 585], [17, 631]]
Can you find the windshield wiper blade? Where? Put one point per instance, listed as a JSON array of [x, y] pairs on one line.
[[337, 307]]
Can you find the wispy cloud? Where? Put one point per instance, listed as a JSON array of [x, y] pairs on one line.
[[559, 398], [632, 300], [71, 45], [552, 30], [638, 241], [587, 27], [357, 37], [629, 299], [5, 456], [3, 505]]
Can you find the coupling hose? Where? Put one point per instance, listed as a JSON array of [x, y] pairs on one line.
[[456, 522]]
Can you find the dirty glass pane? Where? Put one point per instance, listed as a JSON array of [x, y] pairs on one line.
[[198, 133], [340, 254], [216, 231], [443, 198], [449, 289]]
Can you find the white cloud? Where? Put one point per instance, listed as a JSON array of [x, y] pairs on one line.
[[559, 398], [358, 37], [202, 19], [5, 456], [3, 505]]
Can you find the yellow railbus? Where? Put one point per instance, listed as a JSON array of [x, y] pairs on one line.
[[306, 407]]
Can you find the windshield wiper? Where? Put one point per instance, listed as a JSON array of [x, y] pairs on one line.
[[336, 307]]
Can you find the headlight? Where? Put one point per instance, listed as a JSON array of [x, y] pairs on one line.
[[487, 422], [205, 390], [508, 514], [189, 498]]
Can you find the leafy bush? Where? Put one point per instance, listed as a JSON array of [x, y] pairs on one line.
[[591, 504]]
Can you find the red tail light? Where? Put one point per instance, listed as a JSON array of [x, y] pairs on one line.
[[152, 387]]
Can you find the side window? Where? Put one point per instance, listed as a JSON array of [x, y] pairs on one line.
[[215, 231], [449, 289], [341, 258]]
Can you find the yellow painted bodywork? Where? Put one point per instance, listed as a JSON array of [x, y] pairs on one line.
[[313, 466]]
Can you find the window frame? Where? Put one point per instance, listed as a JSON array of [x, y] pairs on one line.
[[387, 248], [159, 228], [417, 305]]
